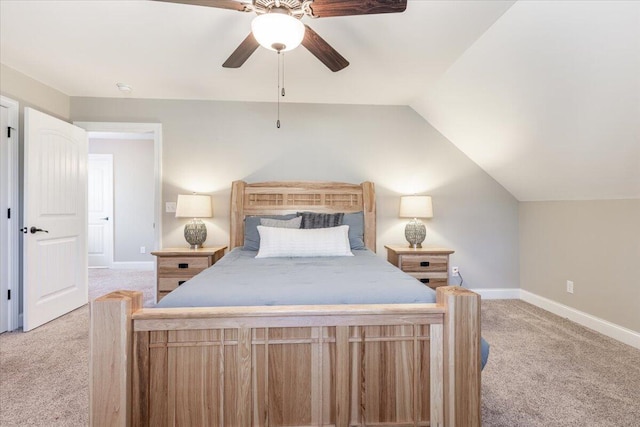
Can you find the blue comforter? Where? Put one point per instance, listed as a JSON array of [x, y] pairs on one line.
[[239, 279]]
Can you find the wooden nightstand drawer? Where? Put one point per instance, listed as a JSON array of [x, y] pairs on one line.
[[425, 263], [167, 284], [182, 265], [433, 280]]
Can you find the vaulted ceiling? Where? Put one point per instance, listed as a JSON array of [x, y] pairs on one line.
[[545, 96]]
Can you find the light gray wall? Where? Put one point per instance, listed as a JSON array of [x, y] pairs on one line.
[[208, 144], [133, 187], [595, 244], [32, 93]]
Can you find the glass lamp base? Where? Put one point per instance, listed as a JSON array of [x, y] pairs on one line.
[[195, 233], [415, 233]]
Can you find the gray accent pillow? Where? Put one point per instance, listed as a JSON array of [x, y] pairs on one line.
[[281, 223], [251, 235], [355, 221], [320, 220]]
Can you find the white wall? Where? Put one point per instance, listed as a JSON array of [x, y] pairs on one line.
[[133, 195], [547, 100], [208, 144]]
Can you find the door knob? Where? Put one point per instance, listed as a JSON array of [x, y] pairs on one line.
[[106, 218], [34, 230]]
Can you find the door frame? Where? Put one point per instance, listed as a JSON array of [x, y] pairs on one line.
[[13, 252], [156, 130], [111, 213]]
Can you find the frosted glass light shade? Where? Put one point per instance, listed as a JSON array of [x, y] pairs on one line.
[[416, 207], [194, 206], [274, 30]]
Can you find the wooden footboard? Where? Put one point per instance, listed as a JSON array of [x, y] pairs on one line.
[[350, 365]]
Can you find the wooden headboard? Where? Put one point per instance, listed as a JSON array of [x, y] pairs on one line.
[[284, 197]]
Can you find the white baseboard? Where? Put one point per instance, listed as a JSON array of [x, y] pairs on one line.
[[132, 265], [605, 327], [506, 293]]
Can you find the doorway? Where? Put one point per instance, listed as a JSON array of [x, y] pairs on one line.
[[135, 219], [123, 222], [148, 131]]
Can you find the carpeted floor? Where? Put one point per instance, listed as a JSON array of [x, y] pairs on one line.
[[44, 373], [542, 371], [104, 280]]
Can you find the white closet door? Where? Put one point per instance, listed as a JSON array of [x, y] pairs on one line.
[[100, 171]]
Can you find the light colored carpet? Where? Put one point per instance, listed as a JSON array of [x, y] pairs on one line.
[[44, 373], [542, 371], [104, 280]]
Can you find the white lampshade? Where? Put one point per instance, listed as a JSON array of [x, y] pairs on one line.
[[276, 29], [416, 207], [194, 206]]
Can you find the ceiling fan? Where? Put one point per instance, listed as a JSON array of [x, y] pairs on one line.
[[278, 26]]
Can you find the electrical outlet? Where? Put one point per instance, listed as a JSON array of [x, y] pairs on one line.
[[569, 286], [143, 250], [170, 207], [455, 271]]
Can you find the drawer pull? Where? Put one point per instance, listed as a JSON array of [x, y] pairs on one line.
[[181, 282], [183, 265], [424, 264], [424, 280]]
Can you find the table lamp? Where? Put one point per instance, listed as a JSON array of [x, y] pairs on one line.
[[415, 207], [194, 206]]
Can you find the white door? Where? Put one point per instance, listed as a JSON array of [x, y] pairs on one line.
[[100, 171], [55, 218], [4, 220]]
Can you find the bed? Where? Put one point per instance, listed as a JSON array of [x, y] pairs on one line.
[[335, 364]]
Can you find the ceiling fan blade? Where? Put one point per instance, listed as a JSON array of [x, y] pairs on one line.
[[242, 52], [220, 4], [325, 8], [323, 51]]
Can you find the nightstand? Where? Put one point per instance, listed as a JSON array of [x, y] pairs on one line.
[[177, 265], [428, 265]]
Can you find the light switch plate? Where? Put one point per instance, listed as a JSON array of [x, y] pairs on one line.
[[170, 207]]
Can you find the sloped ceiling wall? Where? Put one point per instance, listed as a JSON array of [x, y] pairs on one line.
[[547, 101]]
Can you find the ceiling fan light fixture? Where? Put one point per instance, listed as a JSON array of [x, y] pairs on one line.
[[277, 31]]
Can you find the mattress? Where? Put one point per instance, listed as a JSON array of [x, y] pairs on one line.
[[239, 279]]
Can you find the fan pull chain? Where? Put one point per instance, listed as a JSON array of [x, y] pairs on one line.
[[278, 93], [283, 74]]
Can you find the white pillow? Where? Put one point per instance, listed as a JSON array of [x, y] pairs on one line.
[[314, 242]]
